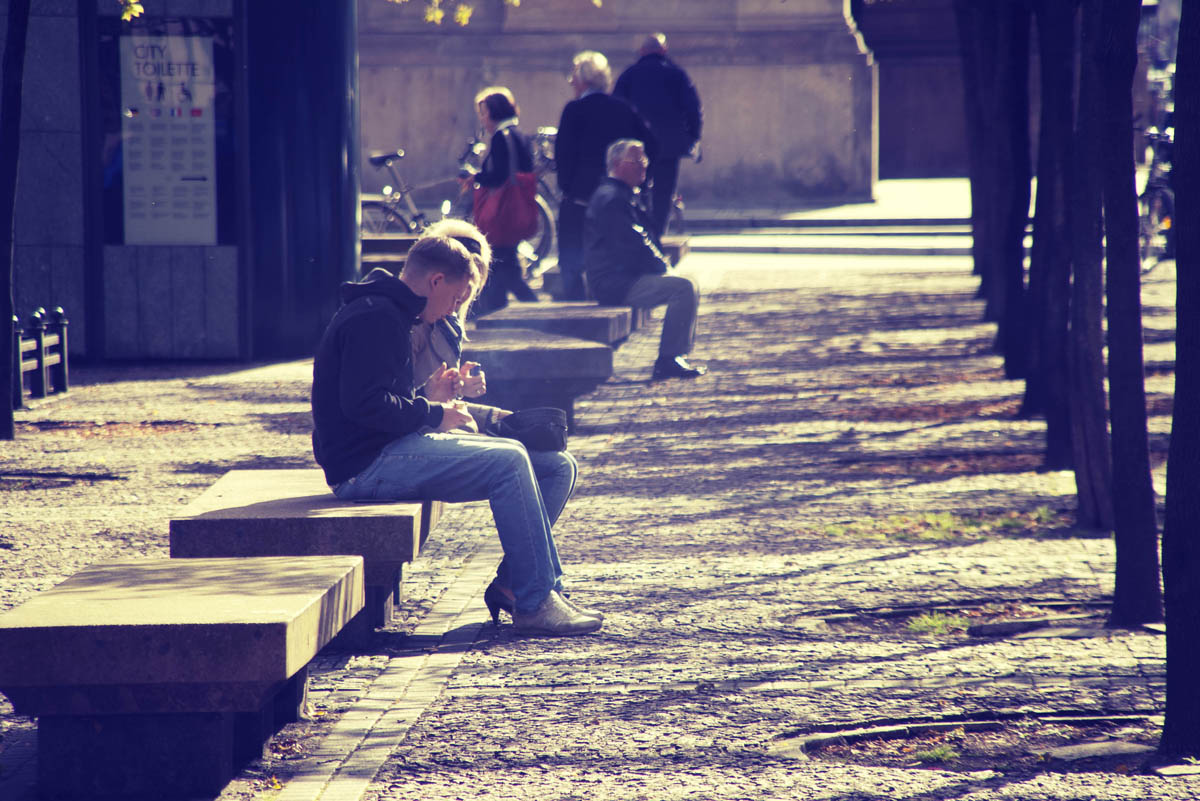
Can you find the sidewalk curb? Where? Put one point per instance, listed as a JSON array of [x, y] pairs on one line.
[[367, 734]]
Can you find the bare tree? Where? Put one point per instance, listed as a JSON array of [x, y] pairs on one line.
[[1085, 358], [994, 41], [1046, 389], [1181, 534], [1137, 597]]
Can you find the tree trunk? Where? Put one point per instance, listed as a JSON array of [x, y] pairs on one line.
[[1181, 534], [978, 153], [10, 140], [1137, 597], [994, 38], [1046, 390], [1089, 418]]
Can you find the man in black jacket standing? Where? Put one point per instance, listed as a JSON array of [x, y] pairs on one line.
[[664, 95], [589, 123], [626, 267]]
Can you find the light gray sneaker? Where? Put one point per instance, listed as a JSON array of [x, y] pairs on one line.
[[583, 610], [556, 618]]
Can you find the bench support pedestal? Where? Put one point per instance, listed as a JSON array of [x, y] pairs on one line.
[[180, 755], [382, 600], [139, 756]]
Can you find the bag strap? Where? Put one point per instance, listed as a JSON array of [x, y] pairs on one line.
[[511, 157], [513, 166]]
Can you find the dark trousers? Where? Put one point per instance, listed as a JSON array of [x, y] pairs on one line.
[[664, 171], [681, 296], [570, 249], [505, 278]]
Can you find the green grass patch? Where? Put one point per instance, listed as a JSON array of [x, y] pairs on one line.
[[939, 753], [936, 623]]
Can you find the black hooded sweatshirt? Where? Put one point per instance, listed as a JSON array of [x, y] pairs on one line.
[[362, 392]]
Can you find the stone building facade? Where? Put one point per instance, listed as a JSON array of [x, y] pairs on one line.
[[789, 94], [788, 88]]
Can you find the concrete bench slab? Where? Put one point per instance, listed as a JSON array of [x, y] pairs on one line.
[[527, 368], [396, 243], [160, 678], [675, 247], [608, 325], [392, 262], [291, 512]]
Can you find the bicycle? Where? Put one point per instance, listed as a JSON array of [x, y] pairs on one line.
[[396, 212], [1156, 203]]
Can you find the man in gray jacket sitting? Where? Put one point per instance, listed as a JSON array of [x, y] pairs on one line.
[[626, 267]]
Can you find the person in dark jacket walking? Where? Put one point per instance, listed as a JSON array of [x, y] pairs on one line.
[[376, 439], [626, 267], [589, 124], [664, 95], [497, 110]]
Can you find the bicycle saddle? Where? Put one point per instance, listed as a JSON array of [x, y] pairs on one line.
[[381, 159]]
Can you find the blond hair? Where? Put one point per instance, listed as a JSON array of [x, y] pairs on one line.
[[476, 244], [593, 70], [431, 254]]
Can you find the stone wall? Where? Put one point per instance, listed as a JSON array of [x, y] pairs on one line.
[[787, 87], [170, 301], [922, 127], [122, 302], [48, 248]]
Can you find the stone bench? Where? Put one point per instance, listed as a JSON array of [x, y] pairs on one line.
[[387, 244], [608, 325], [385, 250], [293, 513], [162, 678], [527, 368]]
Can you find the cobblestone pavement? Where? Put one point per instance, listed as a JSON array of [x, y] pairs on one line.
[[726, 526]]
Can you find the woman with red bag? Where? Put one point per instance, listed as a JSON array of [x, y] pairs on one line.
[[502, 202]]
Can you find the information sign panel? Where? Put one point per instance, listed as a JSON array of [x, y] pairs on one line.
[[168, 138]]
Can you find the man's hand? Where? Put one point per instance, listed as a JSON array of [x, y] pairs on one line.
[[472, 385], [443, 385], [454, 415]]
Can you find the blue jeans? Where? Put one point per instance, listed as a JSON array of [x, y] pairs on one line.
[[527, 491]]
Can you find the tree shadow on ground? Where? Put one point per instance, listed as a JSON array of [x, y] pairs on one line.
[[221, 467], [85, 374]]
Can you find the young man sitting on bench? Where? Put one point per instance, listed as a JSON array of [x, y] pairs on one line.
[[377, 440]]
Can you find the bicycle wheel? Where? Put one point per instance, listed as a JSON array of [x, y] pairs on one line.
[[393, 221], [373, 221]]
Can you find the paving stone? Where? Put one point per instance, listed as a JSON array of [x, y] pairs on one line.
[[1072, 753], [841, 390]]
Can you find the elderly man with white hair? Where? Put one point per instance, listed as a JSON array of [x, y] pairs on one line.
[[589, 124], [625, 266]]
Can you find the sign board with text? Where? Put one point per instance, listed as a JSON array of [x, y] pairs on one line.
[[168, 140]]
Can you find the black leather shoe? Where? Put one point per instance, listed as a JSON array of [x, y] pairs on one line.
[[679, 367]]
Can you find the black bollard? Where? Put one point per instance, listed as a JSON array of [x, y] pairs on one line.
[[57, 329], [18, 396], [36, 328]]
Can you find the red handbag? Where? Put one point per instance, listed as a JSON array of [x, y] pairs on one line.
[[508, 214]]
